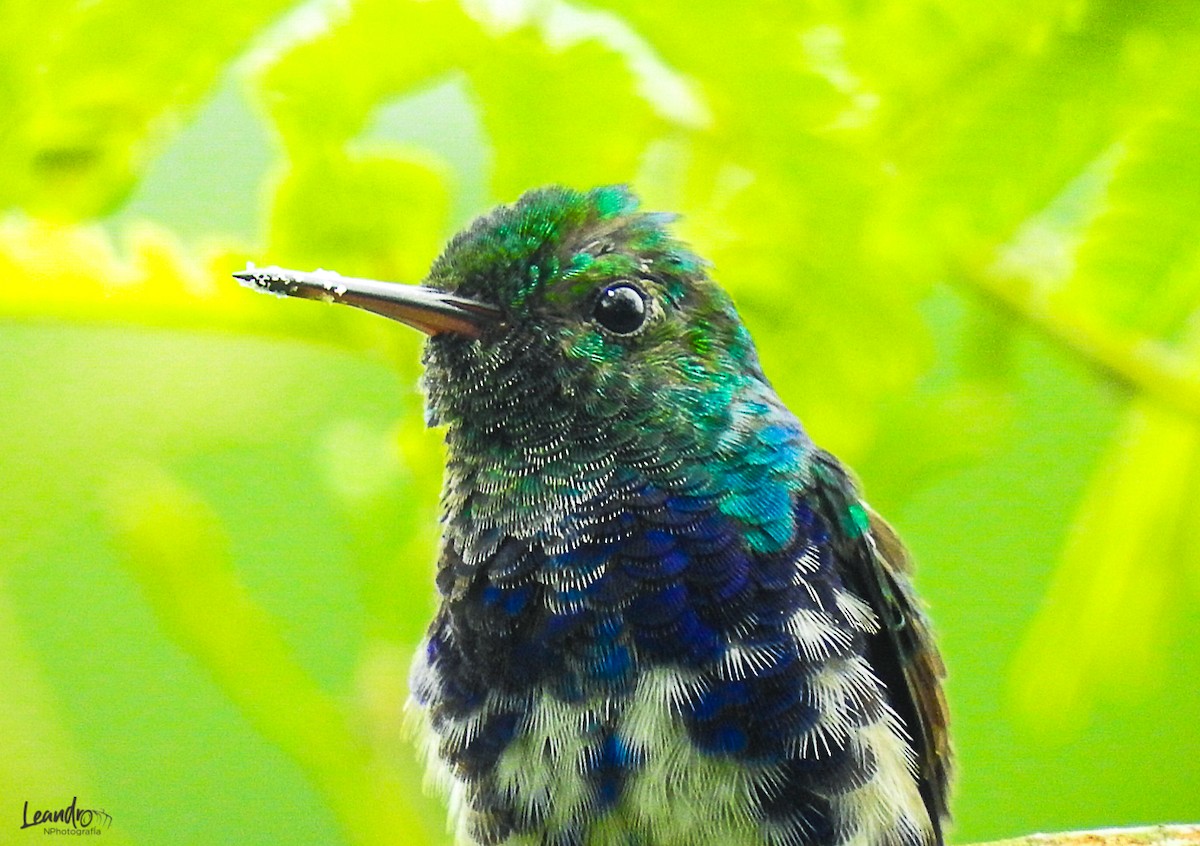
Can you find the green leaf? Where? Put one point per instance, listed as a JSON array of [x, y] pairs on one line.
[[376, 214], [42, 753], [1100, 633], [321, 90], [177, 551], [92, 89], [1138, 260], [748, 59], [586, 126], [1015, 123]]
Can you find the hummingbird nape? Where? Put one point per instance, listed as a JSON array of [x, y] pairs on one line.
[[666, 617]]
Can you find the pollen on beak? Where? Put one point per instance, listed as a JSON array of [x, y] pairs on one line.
[[427, 309]]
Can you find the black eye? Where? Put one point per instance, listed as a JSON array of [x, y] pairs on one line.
[[621, 309]]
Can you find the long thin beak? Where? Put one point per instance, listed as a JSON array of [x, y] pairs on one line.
[[431, 311]]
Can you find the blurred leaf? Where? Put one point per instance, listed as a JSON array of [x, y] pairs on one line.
[[931, 434], [75, 272], [91, 89], [342, 205], [385, 484], [376, 215], [917, 49], [371, 52], [1013, 125], [177, 552], [585, 126], [373, 210], [748, 60], [1100, 630], [72, 273], [1137, 263], [41, 764]]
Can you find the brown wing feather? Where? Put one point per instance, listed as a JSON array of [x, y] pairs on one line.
[[903, 653], [907, 643]]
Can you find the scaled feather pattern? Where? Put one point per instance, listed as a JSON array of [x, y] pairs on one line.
[[666, 616]]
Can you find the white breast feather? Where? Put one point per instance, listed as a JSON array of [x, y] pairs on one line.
[[679, 796]]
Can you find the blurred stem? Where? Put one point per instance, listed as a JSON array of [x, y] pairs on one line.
[[1153, 835], [1141, 363]]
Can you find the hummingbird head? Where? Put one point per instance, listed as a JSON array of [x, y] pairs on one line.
[[569, 328], [596, 314]]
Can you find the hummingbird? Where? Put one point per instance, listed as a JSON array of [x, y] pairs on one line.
[[665, 616]]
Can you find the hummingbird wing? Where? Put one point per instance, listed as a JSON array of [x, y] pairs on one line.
[[902, 651]]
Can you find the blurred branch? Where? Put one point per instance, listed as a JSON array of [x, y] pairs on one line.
[[1153, 835], [1142, 363]]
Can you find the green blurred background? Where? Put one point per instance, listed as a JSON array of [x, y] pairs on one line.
[[966, 236]]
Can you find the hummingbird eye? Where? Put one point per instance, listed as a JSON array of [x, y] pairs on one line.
[[620, 309]]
